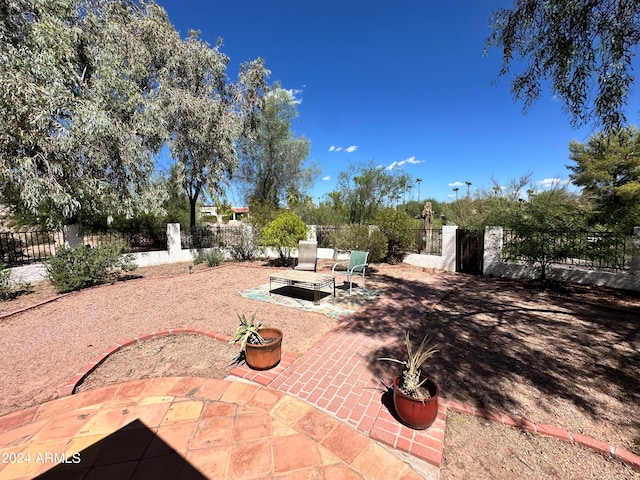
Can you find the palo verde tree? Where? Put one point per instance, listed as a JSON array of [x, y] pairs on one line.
[[206, 115], [78, 104], [583, 48], [272, 167], [542, 226], [608, 169], [365, 188]]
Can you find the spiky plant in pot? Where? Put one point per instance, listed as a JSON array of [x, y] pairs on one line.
[[247, 332], [411, 382]]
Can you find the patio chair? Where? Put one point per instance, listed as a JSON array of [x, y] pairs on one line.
[[307, 256], [356, 266]]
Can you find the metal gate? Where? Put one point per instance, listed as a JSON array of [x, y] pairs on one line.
[[469, 251]]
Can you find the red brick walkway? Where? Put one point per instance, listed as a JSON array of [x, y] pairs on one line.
[[335, 377]]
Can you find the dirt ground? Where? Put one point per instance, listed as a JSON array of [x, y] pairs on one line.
[[568, 358]]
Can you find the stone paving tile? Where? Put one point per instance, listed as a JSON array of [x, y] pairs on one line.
[[266, 434]]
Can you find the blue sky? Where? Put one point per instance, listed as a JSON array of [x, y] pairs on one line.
[[404, 84]]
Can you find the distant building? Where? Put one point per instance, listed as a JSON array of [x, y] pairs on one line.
[[239, 212], [212, 211], [209, 210]]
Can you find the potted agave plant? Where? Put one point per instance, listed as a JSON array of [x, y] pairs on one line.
[[262, 347], [415, 397]]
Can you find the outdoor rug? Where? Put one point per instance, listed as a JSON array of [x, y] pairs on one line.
[[302, 299]]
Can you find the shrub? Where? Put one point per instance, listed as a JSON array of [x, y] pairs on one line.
[[284, 233], [82, 266], [5, 282], [212, 258], [245, 245], [397, 226], [360, 237], [11, 288]]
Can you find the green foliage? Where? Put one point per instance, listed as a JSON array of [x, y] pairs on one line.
[[364, 189], [272, 169], [414, 209], [245, 245], [263, 214], [206, 115], [397, 227], [5, 283], [362, 238], [538, 226], [83, 116], [608, 167], [83, 266], [284, 233], [79, 111], [247, 332], [411, 383], [212, 257], [583, 49], [10, 288], [327, 212]]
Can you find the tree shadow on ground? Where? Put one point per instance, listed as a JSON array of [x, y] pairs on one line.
[[498, 338]]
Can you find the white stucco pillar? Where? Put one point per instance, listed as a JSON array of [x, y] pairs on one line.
[[174, 244], [71, 235], [492, 255], [449, 247]]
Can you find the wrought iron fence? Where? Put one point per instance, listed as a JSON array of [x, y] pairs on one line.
[[428, 242], [605, 251], [19, 248], [142, 240], [212, 237]]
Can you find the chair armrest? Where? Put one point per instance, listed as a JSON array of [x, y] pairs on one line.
[[336, 264], [364, 267]]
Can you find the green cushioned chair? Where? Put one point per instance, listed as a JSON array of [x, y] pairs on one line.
[[356, 266]]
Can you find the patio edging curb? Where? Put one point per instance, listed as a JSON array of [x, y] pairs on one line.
[[70, 387], [598, 446]]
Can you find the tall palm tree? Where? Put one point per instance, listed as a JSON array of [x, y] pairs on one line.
[[455, 189], [418, 181], [468, 185]]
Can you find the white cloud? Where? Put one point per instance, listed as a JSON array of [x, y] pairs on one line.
[[291, 93], [411, 160], [350, 149], [457, 184], [552, 182], [326, 178]]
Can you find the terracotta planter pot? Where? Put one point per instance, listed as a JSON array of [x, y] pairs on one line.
[[418, 414], [265, 356]]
